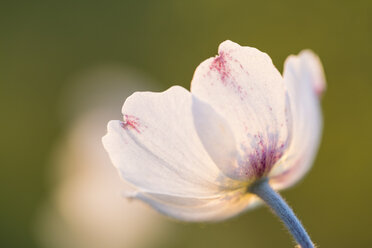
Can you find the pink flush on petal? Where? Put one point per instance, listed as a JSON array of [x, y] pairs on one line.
[[219, 65], [319, 89], [131, 122], [260, 160]]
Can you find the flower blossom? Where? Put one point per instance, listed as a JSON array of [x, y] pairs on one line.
[[193, 155]]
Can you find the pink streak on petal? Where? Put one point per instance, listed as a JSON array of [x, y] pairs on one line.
[[219, 65], [222, 64], [265, 154], [131, 122]]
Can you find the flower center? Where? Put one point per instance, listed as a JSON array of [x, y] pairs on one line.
[[261, 156]]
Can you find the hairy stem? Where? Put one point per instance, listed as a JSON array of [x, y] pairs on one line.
[[283, 211]]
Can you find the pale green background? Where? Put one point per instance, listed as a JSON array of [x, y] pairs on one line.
[[44, 43]]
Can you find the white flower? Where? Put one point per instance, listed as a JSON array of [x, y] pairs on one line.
[[192, 155]]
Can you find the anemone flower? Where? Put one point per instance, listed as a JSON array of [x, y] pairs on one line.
[[243, 132]]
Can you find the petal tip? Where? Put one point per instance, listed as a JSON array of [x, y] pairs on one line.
[[310, 62], [227, 45], [313, 61]]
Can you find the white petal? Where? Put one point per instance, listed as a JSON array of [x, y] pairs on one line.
[[201, 209], [215, 134], [313, 71], [245, 88], [305, 80], [157, 148]]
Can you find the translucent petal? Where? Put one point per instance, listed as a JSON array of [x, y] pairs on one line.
[[245, 88], [157, 149], [303, 75], [201, 209]]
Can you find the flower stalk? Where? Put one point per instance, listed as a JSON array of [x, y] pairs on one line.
[[263, 190]]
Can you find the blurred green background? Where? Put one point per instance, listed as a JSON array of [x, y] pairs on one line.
[[44, 43]]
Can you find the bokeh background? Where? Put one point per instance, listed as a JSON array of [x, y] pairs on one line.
[[52, 52]]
